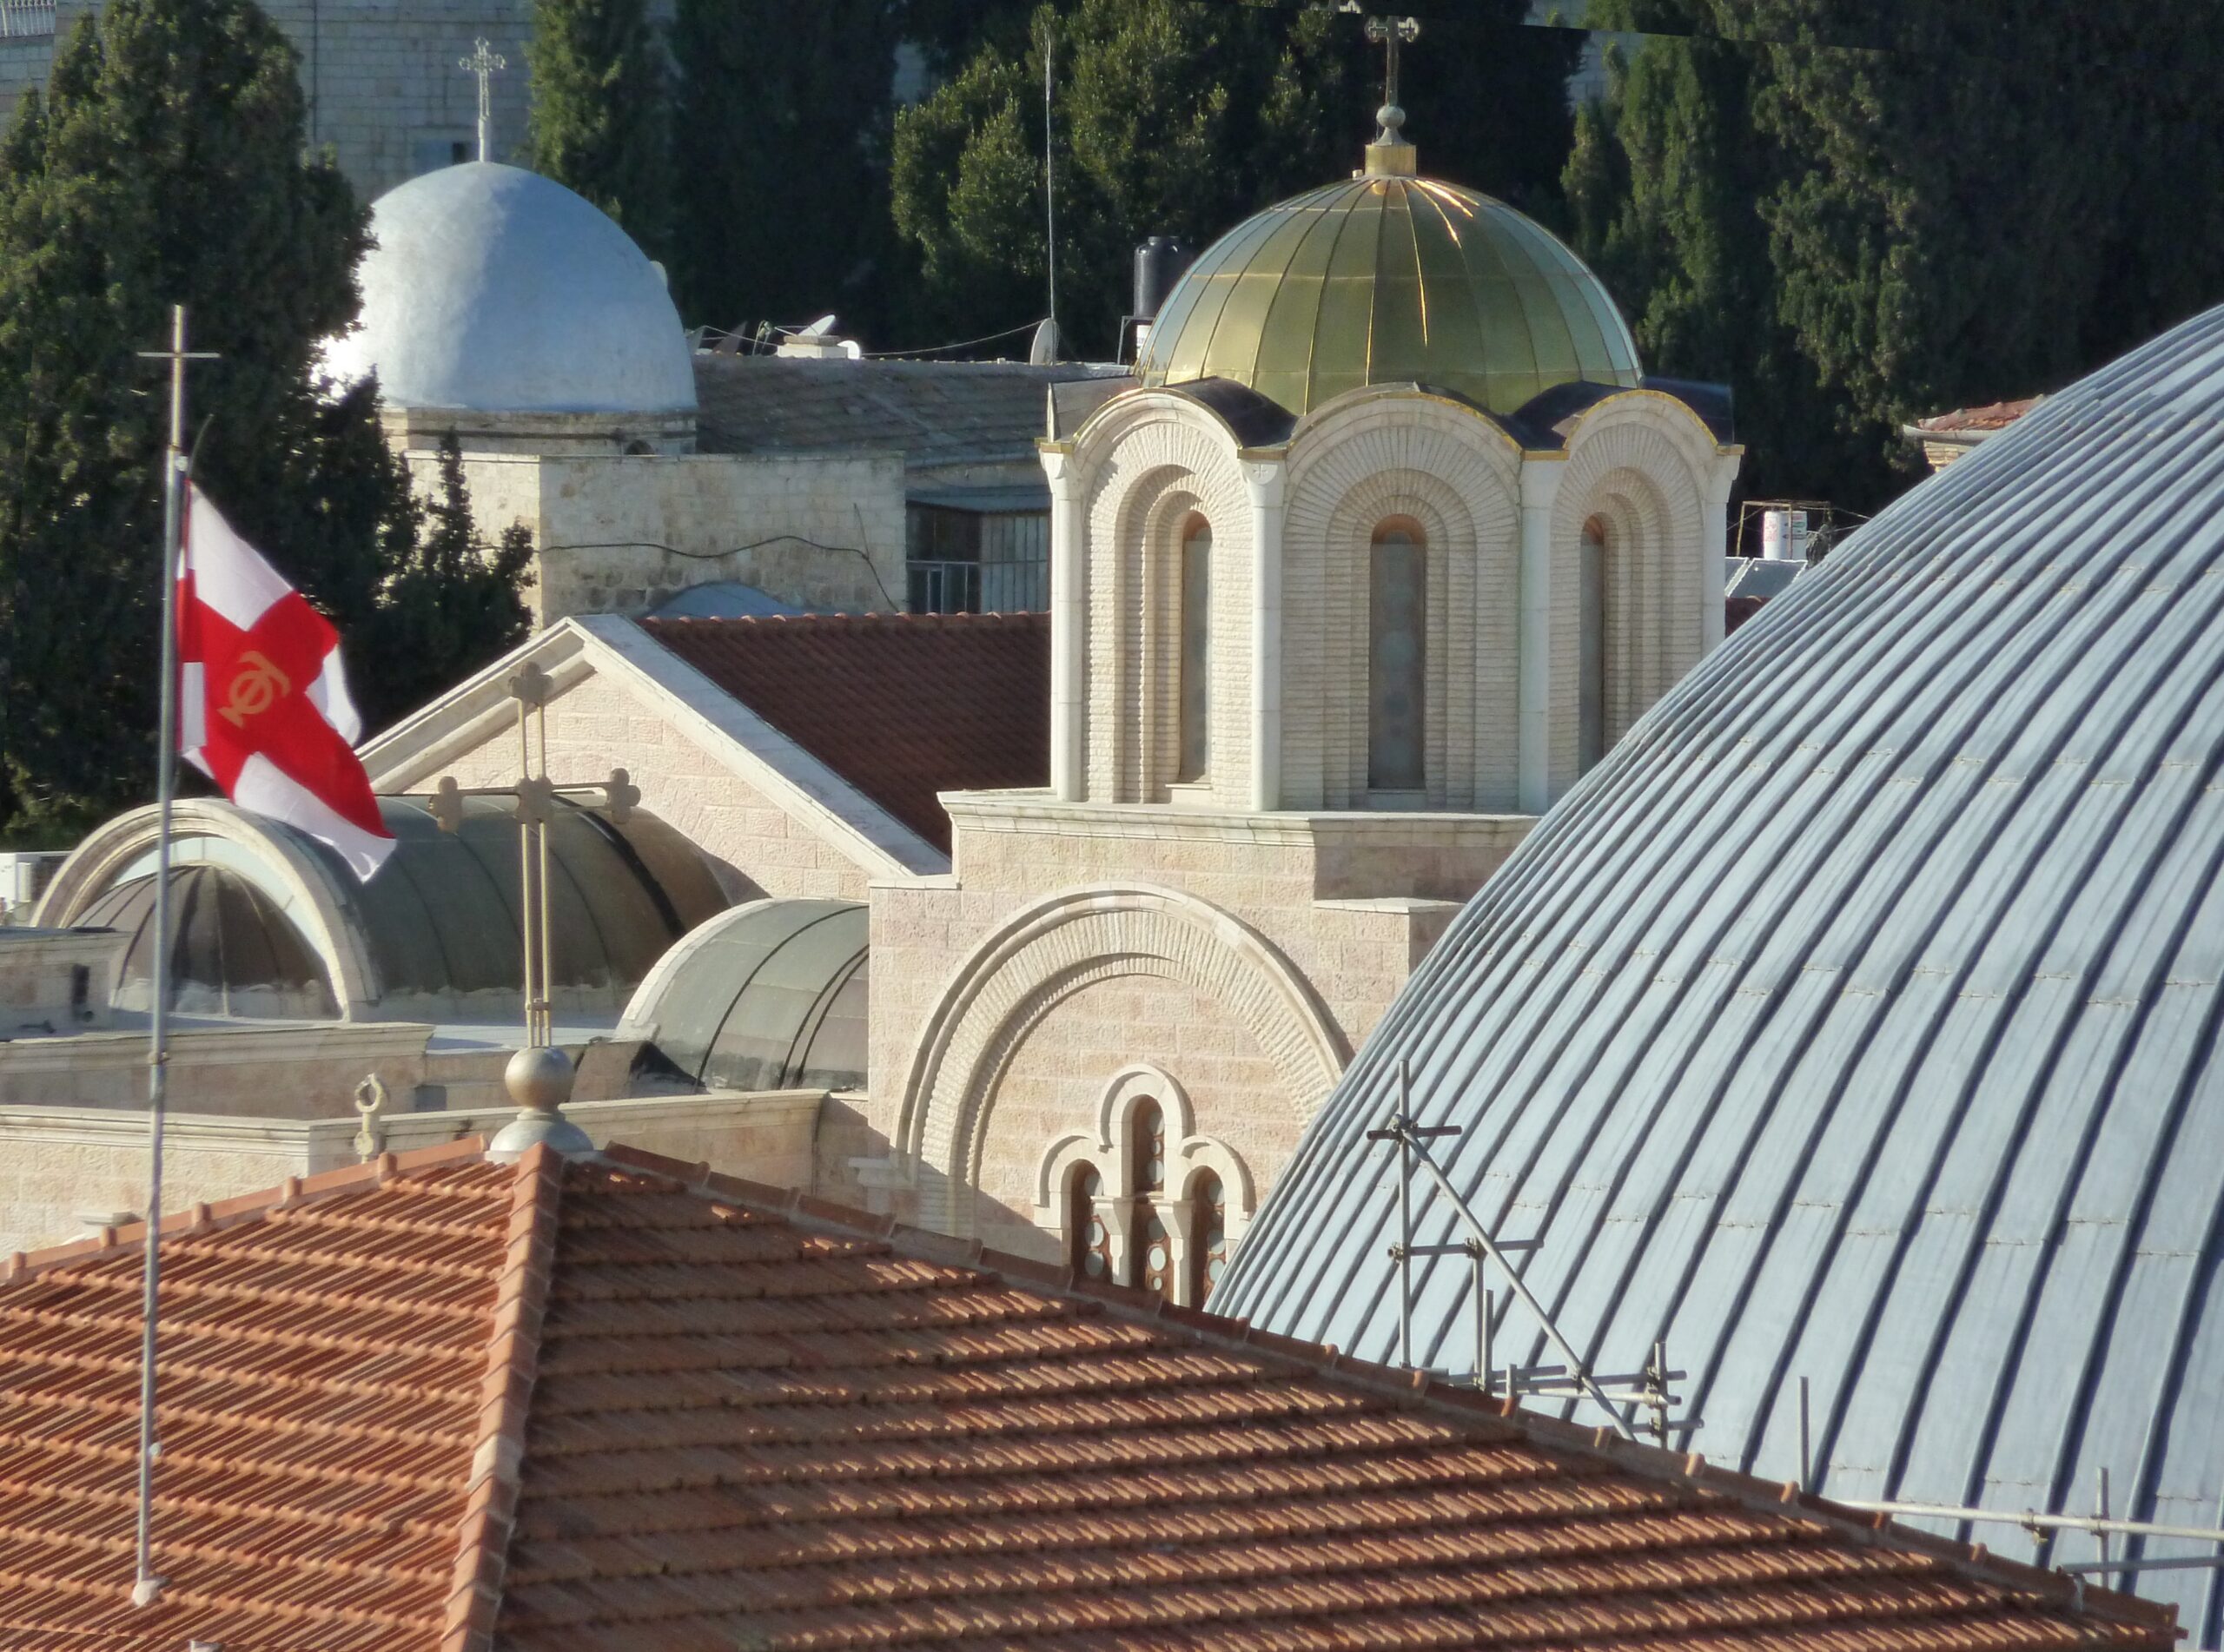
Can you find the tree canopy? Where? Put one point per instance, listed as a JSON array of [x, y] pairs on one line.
[[1180, 119], [165, 165], [1971, 203], [600, 117]]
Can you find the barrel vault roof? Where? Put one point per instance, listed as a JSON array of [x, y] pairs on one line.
[[627, 1403], [1857, 1020]]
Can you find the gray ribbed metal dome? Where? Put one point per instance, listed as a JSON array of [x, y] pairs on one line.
[[1856, 1019]]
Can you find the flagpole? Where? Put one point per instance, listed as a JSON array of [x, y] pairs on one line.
[[146, 1587]]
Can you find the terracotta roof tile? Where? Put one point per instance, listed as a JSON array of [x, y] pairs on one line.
[[761, 1423], [321, 1353], [901, 705], [1997, 415], [624, 1404]]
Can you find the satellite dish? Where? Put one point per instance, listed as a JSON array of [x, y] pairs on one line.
[[818, 329], [1044, 353]]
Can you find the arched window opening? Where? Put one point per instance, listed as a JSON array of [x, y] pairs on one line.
[[1208, 1236], [1591, 647], [1196, 649], [1397, 658], [1088, 1240], [1146, 1147]]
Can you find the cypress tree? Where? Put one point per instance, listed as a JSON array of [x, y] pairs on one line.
[[1943, 206], [1181, 119], [600, 117], [781, 131]]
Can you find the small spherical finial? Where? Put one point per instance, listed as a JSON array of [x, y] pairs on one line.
[[1392, 119], [539, 1081]]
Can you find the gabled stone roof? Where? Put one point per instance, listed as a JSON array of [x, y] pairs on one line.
[[627, 1403]]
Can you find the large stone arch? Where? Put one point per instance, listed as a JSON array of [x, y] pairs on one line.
[[1140, 477], [1456, 473], [1051, 950], [1638, 462]]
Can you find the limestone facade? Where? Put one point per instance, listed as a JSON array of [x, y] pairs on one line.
[[619, 533], [60, 1165], [772, 819], [57, 980], [380, 76], [1198, 932]]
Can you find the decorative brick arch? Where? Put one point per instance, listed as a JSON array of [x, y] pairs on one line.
[[1051, 950], [1456, 474], [1142, 474], [1633, 462]]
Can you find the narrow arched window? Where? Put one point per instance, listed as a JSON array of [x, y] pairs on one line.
[[1397, 658], [1088, 1240], [1196, 649], [1155, 1256], [1208, 1236], [1146, 1147], [1591, 646]]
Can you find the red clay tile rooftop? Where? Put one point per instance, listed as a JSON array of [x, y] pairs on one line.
[[901, 705], [623, 1404]]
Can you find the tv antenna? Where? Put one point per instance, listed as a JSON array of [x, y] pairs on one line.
[[1647, 1388]]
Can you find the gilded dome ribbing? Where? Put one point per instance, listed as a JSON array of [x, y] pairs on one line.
[[1386, 279]]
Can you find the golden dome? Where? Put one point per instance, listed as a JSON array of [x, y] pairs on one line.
[[1385, 280]]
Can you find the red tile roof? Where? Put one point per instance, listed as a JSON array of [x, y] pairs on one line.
[[901, 705], [1993, 416], [625, 1404], [324, 1348]]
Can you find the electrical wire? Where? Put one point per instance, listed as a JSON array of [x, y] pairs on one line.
[[964, 344], [719, 556]]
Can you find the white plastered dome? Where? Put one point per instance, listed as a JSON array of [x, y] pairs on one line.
[[494, 290]]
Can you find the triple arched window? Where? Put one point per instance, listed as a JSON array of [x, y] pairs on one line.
[[1134, 1212], [1397, 669]]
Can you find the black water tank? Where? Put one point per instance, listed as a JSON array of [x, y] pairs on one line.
[[1160, 263]]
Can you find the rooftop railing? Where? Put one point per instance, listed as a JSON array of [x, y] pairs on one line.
[[26, 18]]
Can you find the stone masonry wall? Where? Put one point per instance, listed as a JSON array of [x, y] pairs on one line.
[[1310, 903], [380, 76], [822, 532], [758, 848]]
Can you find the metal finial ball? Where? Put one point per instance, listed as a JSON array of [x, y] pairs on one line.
[[539, 1079], [1391, 117]]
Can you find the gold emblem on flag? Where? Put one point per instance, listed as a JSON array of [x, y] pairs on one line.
[[259, 687]]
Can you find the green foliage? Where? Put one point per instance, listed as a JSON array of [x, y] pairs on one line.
[[448, 604], [599, 110], [780, 145], [2003, 196], [1181, 119], [164, 165]]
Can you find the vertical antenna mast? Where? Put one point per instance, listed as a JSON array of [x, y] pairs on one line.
[[1050, 174]]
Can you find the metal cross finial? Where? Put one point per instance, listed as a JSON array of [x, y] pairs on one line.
[[486, 62], [1390, 33]]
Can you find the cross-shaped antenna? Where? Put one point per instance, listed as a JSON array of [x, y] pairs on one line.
[[486, 62]]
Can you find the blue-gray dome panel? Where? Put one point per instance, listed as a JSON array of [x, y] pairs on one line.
[[1856, 1020]]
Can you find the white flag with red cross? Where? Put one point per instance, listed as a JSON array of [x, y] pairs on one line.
[[263, 698]]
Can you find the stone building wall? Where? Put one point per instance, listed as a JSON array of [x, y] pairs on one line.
[[1347, 905], [59, 1165], [757, 848], [380, 78], [822, 532]]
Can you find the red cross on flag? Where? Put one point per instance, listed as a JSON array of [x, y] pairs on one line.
[[263, 699]]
